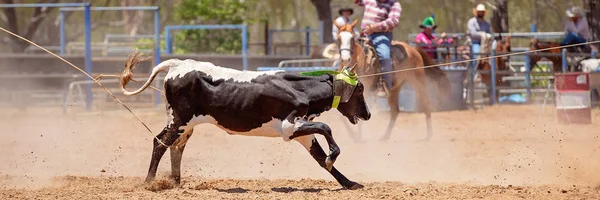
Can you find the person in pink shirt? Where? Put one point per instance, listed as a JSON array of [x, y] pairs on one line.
[[427, 41]]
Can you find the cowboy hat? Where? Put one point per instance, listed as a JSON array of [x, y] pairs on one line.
[[346, 9], [574, 12], [479, 8], [429, 22]]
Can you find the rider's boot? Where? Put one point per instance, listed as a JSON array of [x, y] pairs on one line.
[[382, 90]]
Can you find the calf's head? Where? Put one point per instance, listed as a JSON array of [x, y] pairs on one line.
[[348, 96]]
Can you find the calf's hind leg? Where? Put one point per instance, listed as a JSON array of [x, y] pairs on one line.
[[168, 136], [312, 146], [176, 154]]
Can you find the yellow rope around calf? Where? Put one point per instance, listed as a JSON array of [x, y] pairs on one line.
[[483, 58], [88, 75]]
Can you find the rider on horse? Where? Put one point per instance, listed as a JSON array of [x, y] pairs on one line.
[[576, 29], [379, 19], [344, 18]]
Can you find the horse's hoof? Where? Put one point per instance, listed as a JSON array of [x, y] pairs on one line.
[[384, 139], [354, 186]]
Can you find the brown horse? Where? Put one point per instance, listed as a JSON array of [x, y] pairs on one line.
[[502, 46], [404, 57], [555, 59]]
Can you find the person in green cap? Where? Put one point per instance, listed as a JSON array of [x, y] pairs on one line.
[[427, 41]]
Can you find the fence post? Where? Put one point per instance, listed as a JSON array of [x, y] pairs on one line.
[[266, 37], [454, 56], [321, 32], [88, 52], [307, 40], [168, 45], [527, 78], [269, 42], [472, 69], [245, 46], [63, 38], [564, 60], [493, 81], [157, 95]]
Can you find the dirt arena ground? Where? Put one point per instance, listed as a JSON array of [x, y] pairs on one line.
[[500, 152]]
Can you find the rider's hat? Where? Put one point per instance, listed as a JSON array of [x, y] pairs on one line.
[[479, 8], [346, 9], [574, 12], [429, 22]]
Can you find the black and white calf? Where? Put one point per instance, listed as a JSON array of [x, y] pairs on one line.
[[269, 104]]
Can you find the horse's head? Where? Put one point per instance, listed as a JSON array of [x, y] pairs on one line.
[[534, 44], [346, 42], [503, 46]]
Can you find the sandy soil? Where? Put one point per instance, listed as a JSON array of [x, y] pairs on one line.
[[500, 152]]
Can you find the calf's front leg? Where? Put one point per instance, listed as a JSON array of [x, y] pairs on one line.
[[312, 146], [309, 128]]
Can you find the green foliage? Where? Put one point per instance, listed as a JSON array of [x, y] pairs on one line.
[[210, 12]]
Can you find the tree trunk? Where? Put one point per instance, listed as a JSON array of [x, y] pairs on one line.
[[593, 16], [324, 12], [39, 14], [132, 18], [500, 17]]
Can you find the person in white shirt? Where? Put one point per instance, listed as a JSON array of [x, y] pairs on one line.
[[576, 29], [344, 18]]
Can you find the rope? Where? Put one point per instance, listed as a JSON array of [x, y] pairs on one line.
[[477, 59], [88, 75]]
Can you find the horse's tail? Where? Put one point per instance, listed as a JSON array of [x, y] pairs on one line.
[[435, 73], [131, 63]]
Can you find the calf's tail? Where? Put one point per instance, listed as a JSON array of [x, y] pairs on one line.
[[131, 63]]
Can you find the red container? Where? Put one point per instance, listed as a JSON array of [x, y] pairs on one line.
[[573, 104], [572, 81], [574, 116]]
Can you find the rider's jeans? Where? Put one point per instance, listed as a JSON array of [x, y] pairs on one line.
[[383, 46], [475, 50], [572, 39]]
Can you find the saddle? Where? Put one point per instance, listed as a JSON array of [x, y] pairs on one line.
[[372, 61], [370, 54]]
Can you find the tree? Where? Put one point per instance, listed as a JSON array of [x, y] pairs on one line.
[[210, 12], [10, 18], [500, 17], [593, 17], [324, 12], [132, 18]]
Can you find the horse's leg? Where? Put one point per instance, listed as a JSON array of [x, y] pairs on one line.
[[418, 82], [394, 108]]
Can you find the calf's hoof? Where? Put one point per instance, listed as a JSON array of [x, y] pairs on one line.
[[354, 186], [149, 179]]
